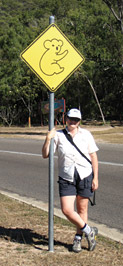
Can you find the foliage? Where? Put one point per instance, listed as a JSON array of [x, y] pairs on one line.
[[93, 26]]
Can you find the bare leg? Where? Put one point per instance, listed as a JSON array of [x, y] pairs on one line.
[[67, 206], [82, 209]]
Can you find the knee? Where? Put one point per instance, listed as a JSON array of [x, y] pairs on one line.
[[65, 210], [83, 209]]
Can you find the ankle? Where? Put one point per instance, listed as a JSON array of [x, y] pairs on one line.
[[86, 229], [78, 236]]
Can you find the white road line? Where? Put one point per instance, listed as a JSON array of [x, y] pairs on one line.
[[21, 153], [109, 163], [40, 155]]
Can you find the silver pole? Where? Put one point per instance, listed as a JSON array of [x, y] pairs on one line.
[[51, 168], [51, 19]]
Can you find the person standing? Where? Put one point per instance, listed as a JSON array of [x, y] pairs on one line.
[[78, 176]]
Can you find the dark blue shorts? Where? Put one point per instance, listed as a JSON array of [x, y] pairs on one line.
[[79, 187]]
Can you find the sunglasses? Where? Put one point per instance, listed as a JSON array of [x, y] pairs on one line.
[[74, 119]]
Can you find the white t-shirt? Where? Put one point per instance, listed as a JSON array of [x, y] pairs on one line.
[[69, 157]]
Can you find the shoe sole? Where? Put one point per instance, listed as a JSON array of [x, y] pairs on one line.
[[76, 251]]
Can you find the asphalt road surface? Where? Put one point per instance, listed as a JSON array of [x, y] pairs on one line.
[[25, 172]]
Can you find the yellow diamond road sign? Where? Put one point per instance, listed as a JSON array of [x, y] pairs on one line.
[[52, 57]]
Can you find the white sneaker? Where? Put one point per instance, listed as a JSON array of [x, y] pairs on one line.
[[77, 245]]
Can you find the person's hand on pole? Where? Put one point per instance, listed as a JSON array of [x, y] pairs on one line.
[[46, 146]]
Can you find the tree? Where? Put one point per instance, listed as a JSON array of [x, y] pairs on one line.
[[116, 8], [93, 26]]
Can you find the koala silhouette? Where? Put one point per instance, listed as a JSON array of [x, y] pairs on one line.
[[49, 61]]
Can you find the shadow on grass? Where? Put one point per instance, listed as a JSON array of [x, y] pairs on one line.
[[27, 236]]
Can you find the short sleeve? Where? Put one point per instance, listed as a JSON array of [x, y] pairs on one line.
[[92, 147]]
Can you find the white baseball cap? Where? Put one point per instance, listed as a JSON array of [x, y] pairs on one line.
[[74, 113]]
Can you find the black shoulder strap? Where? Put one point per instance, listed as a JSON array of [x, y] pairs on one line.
[[70, 139]]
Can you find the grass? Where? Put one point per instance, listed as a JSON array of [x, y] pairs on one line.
[[24, 240], [112, 135], [101, 133]]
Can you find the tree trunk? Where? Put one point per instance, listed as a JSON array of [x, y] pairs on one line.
[[96, 100]]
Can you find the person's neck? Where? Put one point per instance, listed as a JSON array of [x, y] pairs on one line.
[[73, 131]]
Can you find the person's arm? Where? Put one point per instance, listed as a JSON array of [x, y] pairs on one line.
[[46, 146], [94, 161]]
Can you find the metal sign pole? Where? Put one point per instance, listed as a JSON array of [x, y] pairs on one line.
[[39, 67], [51, 167]]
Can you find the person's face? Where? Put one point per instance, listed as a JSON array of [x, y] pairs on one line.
[[73, 122]]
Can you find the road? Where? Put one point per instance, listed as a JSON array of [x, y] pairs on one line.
[[25, 172]]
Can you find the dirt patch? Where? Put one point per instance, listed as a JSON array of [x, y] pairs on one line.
[[24, 240]]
